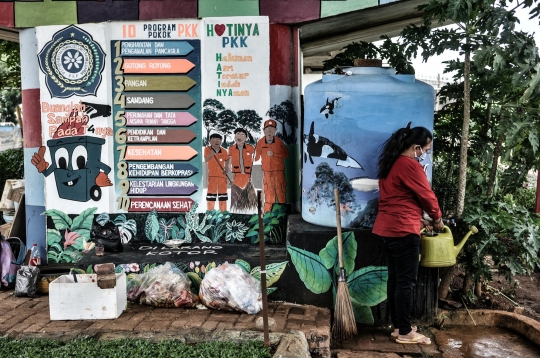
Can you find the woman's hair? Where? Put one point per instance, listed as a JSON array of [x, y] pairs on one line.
[[400, 140]]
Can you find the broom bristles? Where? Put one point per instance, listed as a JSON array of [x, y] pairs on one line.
[[344, 321]]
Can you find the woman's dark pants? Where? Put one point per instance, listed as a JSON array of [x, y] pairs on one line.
[[402, 257]]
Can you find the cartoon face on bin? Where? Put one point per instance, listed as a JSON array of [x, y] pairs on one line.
[[76, 164]]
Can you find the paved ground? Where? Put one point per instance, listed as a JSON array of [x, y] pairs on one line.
[[29, 318]]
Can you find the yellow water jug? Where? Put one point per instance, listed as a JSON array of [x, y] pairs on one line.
[[437, 248]]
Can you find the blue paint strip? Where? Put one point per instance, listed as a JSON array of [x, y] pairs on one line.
[[34, 182], [36, 229]]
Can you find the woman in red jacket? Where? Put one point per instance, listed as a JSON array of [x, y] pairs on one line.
[[405, 193]]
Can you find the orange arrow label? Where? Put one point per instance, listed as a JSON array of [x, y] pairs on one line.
[[157, 65]]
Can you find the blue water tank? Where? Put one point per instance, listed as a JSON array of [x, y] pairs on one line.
[[346, 120]]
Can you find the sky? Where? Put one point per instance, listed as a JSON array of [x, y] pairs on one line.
[[436, 66]]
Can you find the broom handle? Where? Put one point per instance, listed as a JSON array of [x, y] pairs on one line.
[[338, 226]]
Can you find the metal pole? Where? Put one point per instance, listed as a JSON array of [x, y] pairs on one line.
[[263, 270]]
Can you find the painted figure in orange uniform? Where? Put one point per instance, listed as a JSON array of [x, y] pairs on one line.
[[217, 159], [273, 152], [241, 155]]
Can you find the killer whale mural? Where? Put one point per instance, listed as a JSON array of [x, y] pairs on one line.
[[318, 146], [328, 108]]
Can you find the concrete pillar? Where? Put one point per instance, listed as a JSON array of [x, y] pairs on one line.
[[34, 183]]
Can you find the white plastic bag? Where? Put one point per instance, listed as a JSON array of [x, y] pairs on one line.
[[162, 286], [228, 287]]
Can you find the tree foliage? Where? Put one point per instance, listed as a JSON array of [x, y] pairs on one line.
[[10, 68], [9, 100]]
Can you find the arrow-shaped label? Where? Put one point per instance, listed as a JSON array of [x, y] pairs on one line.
[[183, 119], [155, 48], [161, 187], [160, 204], [158, 83], [162, 152], [154, 135], [161, 170], [159, 100], [153, 65]]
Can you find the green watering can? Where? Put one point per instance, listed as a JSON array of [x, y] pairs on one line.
[[437, 248]]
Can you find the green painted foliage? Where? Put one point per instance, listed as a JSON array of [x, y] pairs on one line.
[[311, 269], [330, 253], [368, 285]]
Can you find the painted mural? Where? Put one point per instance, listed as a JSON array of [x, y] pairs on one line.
[[347, 119], [320, 273], [130, 146]]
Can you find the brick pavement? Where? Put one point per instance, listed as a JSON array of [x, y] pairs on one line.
[[22, 317]]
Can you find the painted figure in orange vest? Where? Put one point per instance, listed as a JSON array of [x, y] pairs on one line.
[[241, 155], [217, 159], [273, 152]]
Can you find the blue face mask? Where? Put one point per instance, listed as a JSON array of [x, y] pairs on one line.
[[422, 156]]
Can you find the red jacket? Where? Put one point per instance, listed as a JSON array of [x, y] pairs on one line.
[[404, 193]]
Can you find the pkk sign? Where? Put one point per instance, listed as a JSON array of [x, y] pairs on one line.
[[72, 62]]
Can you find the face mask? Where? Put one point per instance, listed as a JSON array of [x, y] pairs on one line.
[[422, 156]]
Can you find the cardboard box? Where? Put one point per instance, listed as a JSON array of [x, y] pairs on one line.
[[70, 300]]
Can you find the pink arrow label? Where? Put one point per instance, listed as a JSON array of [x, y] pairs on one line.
[[161, 152], [178, 119]]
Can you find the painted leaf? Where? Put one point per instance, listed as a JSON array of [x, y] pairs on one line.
[[56, 246], [52, 256], [60, 219], [90, 269], [78, 271], [330, 256], [103, 218], [243, 264], [85, 233], [53, 236], [311, 269], [78, 245], [84, 220], [195, 279], [273, 272], [368, 285], [151, 227], [269, 290], [362, 314]]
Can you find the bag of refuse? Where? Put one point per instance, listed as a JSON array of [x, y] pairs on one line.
[[228, 287], [162, 286], [26, 282]]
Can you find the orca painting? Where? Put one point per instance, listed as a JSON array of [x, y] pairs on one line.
[[317, 146], [328, 108]]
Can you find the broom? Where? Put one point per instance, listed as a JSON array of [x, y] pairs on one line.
[[344, 321]]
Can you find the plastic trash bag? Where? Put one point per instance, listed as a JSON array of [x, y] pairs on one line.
[[228, 287], [26, 282], [162, 286]]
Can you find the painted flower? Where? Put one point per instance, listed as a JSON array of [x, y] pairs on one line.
[[134, 267], [197, 263], [203, 269], [345, 209], [125, 267], [191, 265], [70, 238], [72, 60], [87, 246]]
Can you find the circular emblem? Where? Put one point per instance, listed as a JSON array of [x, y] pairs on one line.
[[72, 62]]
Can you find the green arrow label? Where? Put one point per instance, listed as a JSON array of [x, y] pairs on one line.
[[158, 83]]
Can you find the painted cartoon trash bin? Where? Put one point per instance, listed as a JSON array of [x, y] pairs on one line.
[[77, 163]]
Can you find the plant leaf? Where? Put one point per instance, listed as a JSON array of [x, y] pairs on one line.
[[243, 264], [103, 218], [311, 269], [84, 220], [60, 219], [330, 255], [362, 314], [53, 236], [273, 272], [368, 285]]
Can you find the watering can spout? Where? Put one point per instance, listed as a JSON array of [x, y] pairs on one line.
[[472, 230]]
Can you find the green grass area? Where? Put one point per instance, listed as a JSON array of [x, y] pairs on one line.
[[132, 348]]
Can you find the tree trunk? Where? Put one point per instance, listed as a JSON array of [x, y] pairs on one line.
[[478, 289], [494, 164], [464, 133], [446, 280], [467, 282]]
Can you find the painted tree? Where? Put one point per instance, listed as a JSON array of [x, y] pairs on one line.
[[227, 120], [285, 114], [249, 120], [211, 109], [322, 190]]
